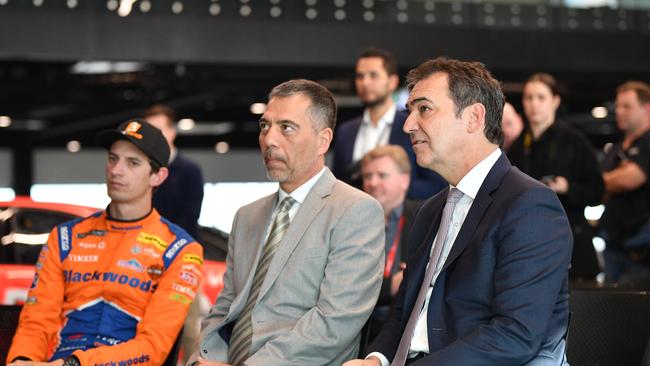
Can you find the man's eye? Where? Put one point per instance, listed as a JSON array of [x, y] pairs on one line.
[[423, 108], [287, 128], [264, 126]]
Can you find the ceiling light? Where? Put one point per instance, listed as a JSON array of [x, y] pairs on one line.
[[215, 9], [73, 146], [186, 124], [145, 6], [112, 5], [5, 121], [221, 147], [125, 8], [599, 112], [177, 7], [258, 108], [105, 67]]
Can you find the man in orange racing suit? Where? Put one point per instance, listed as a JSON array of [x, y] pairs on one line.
[[113, 288]]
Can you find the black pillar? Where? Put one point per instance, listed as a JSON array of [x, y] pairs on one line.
[[23, 165]]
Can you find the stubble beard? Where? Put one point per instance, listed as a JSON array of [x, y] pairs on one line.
[[376, 102]]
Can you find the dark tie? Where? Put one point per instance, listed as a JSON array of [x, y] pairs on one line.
[[405, 342], [240, 342]]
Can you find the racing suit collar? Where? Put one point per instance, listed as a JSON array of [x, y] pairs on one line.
[[113, 224]]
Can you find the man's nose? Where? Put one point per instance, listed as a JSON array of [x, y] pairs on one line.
[[115, 168], [270, 136], [410, 125], [373, 180]]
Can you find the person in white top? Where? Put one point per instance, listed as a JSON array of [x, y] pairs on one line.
[[486, 279], [376, 79]]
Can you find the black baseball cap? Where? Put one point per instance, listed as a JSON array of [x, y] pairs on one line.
[[143, 135]]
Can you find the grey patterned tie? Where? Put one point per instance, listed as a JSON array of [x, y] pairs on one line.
[[405, 343], [240, 342]]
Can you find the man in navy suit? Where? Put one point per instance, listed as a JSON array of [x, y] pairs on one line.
[[381, 124], [180, 197], [497, 293]]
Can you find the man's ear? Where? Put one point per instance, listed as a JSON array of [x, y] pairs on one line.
[[476, 115], [156, 179], [393, 82], [646, 106], [556, 101], [324, 140], [405, 181]]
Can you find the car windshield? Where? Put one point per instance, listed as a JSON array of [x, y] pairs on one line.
[[23, 231]]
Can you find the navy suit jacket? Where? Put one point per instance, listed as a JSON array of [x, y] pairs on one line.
[[180, 196], [424, 182], [502, 295]]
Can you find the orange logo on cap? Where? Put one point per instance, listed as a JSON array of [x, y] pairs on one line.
[[132, 130]]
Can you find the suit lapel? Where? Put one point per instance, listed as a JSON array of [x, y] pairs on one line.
[[423, 250], [348, 147], [256, 240], [479, 206], [397, 135], [306, 214]]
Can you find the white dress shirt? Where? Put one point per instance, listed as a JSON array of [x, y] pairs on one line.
[[371, 136], [299, 194], [469, 185]]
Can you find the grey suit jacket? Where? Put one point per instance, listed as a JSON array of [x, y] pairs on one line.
[[320, 288]]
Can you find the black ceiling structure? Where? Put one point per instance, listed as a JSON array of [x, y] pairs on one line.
[[211, 59]]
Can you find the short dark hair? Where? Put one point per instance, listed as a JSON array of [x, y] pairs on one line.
[[641, 89], [390, 62], [323, 107], [546, 79], [161, 109], [469, 82]]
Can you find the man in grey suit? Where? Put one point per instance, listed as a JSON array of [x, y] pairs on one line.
[[304, 265]]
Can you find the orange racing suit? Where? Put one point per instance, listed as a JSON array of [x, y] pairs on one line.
[[113, 293]]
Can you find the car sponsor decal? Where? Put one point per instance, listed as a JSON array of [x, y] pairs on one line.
[[188, 277], [192, 258], [191, 267], [128, 362], [131, 264], [184, 290], [171, 252], [151, 252], [146, 238], [180, 298], [64, 232], [83, 258], [155, 271], [91, 233], [109, 277], [87, 245]]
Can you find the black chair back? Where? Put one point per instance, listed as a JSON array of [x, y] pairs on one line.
[[608, 327], [172, 357], [9, 315]]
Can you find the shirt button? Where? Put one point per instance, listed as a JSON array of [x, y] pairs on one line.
[[205, 350]]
